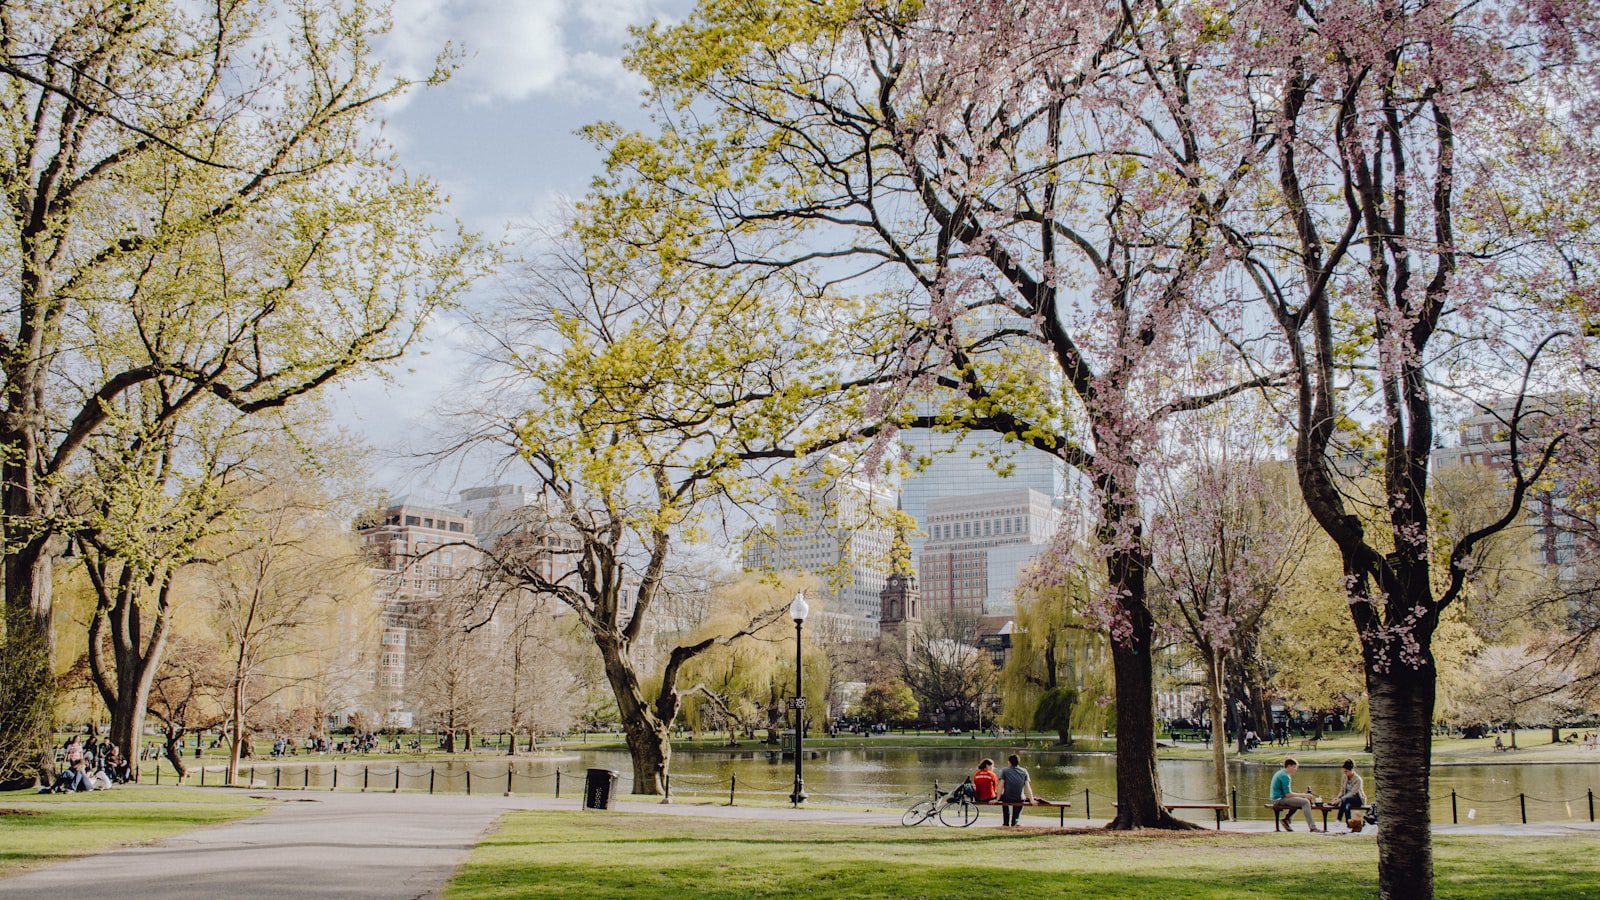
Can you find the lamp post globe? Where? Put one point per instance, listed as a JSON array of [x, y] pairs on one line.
[[798, 610]]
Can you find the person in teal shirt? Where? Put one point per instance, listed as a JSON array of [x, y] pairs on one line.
[[1285, 800]]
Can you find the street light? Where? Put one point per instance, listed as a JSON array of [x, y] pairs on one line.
[[798, 611]]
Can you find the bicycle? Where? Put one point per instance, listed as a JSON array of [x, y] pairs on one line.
[[955, 809]]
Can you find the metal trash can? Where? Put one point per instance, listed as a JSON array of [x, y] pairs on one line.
[[597, 786]]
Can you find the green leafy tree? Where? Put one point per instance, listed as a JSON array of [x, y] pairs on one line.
[[1054, 712], [887, 701], [200, 213]]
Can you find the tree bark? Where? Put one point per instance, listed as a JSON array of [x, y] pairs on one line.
[[651, 751], [1138, 785], [1402, 702], [237, 718], [174, 749], [1219, 742]]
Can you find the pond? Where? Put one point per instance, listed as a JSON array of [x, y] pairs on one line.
[[894, 776]]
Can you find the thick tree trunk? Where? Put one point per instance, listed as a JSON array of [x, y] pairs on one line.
[[127, 725], [1138, 785], [651, 751], [1402, 700], [1219, 745]]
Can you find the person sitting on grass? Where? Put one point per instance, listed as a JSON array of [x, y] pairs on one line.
[[985, 783], [1285, 800], [1016, 786]]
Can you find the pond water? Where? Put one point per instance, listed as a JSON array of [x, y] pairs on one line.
[[894, 776]]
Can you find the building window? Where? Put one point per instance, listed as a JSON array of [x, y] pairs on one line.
[[413, 520]]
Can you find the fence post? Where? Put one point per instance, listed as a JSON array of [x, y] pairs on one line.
[[1591, 800], [1453, 819], [252, 776], [335, 777], [509, 771], [1522, 800], [366, 776], [202, 776], [277, 776], [306, 779], [667, 778], [733, 782], [431, 772], [158, 771], [558, 784], [1234, 792], [469, 779], [1086, 804], [936, 790]]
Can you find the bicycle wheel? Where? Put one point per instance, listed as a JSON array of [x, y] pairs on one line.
[[918, 814], [959, 815]]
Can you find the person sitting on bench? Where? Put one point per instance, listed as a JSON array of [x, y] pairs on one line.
[[1284, 799], [1352, 796], [1015, 787], [985, 783]]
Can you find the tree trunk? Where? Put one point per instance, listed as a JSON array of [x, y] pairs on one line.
[[651, 751], [532, 739], [1316, 734], [237, 718], [174, 749], [1219, 744], [1138, 785], [469, 741], [1402, 700], [1555, 734], [127, 725]]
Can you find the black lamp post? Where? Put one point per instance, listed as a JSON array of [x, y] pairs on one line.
[[798, 611]]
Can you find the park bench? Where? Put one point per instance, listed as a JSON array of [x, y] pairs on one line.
[[1309, 743], [1324, 808], [1216, 808], [1061, 806]]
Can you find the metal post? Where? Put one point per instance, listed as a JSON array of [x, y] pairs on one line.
[[469, 779], [1522, 800], [558, 784], [277, 776], [936, 790], [1453, 819], [306, 781], [366, 776], [335, 777], [252, 776], [799, 795], [431, 772], [1086, 804], [158, 771], [667, 780], [202, 776], [1591, 801], [1235, 792], [510, 770], [733, 782]]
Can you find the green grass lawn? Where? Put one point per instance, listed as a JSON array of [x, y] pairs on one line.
[[619, 855], [40, 829]]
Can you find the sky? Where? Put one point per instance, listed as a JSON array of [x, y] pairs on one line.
[[501, 138]]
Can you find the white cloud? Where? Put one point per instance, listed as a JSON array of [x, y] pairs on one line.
[[514, 49]]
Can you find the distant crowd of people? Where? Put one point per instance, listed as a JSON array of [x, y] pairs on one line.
[[87, 766]]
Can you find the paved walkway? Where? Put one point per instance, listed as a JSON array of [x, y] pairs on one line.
[[397, 846]]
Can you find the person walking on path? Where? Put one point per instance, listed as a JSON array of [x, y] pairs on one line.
[[1351, 793], [1284, 799], [1015, 787]]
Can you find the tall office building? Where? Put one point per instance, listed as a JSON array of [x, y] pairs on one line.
[[839, 528], [977, 546], [414, 569], [952, 464]]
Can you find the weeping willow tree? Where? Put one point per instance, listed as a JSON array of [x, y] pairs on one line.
[[1057, 647]]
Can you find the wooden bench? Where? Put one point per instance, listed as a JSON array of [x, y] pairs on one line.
[[1061, 806], [1217, 808], [1309, 743], [1324, 808]]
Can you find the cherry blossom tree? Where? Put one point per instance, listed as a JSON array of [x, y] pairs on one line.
[[1025, 191], [1421, 246]]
